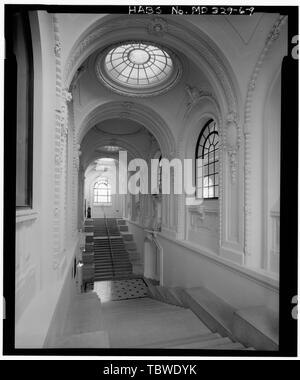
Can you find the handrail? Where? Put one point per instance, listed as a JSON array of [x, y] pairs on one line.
[[110, 247]]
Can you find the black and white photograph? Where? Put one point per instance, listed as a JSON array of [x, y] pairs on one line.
[[150, 181]]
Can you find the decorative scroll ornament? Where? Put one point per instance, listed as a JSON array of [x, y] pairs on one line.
[[57, 48], [65, 98], [275, 32], [66, 95], [77, 155], [80, 71], [126, 111], [158, 27], [58, 159], [194, 95], [64, 120], [232, 142]]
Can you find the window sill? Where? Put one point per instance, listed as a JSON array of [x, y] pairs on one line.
[[25, 215]]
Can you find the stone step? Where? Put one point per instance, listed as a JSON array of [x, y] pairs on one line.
[[81, 297], [214, 311], [174, 292], [84, 315], [184, 340], [123, 228], [206, 344], [102, 262], [88, 259], [121, 222], [88, 229], [97, 339], [168, 296], [130, 245], [231, 346], [114, 268], [89, 248], [134, 256], [127, 236], [257, 327]]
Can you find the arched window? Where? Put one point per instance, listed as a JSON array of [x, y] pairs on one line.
[[207, 162], [102, 191]]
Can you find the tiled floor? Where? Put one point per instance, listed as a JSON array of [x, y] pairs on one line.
[[120, 289]]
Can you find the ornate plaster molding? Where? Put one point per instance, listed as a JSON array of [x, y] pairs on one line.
[[58, 146], [232, 142], [158, 27], [57, 48], [76, 157], [139, 113], [183, 35], [194, 95], [271, 38]]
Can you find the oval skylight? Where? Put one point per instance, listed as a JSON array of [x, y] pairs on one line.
[[138, 68]]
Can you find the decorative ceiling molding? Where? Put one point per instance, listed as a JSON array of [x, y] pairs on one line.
[[141, 114], [195, 95], [185, 37], [93, 151], [158, 27], [101, 131]]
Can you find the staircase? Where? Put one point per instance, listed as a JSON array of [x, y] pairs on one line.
[[148, 323], [171, 318], [110, 256], [136, 323], [131, 248], [83, 327]]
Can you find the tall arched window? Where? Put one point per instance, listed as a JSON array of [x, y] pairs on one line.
[[102, 191], [207, 162]]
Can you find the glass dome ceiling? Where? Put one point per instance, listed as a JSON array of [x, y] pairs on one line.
[[138, 64], [138, 68]]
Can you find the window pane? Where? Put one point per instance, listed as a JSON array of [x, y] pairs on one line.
[[211, 168], [22, 49], [207, 149]]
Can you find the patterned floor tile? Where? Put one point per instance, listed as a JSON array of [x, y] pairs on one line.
[[120, 289]]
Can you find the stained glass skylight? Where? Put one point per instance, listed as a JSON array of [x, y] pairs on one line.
[[138, 68], [138, 64]]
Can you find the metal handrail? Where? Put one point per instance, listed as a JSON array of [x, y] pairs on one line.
[[110, 247]]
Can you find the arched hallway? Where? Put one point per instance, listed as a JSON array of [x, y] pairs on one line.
[[148, 207]]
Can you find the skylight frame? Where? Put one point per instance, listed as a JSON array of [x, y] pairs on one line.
[[167, 71]]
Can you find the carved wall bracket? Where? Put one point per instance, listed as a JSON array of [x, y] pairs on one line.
[[194, 95], [57, 49]]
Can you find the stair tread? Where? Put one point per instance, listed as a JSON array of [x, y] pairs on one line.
[[231, 346], [262, 319], [95, 339], [213, 305], [206, 344], [183, 340]]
